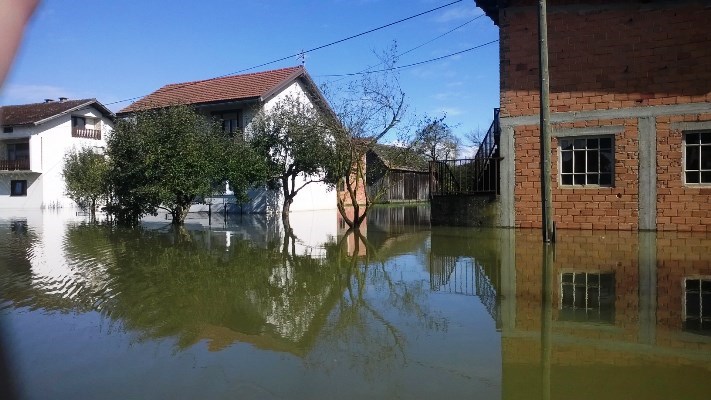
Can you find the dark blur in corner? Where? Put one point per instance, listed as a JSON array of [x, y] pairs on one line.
[[14, 15]]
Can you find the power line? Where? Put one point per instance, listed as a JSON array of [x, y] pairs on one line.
[[414, 48], [317, 47], [413, 64]]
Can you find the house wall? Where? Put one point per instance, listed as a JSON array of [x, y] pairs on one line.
[[637, 71], [647, 327], [317, 195], [49, 143]]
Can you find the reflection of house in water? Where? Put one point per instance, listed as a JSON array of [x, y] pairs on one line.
[[465, 261], [389, 229], [624, 309], [587, 296]]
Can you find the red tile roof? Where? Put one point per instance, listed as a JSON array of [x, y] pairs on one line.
[[236, 87], [26, 114]]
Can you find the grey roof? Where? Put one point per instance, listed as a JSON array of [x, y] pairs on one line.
[[37, 113], [401, 158]]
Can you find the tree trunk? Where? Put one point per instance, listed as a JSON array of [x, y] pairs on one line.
[[93, 210], [179, 213]]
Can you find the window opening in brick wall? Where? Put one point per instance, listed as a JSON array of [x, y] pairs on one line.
[[697, 158], [586, 161], [697, 305], [587, 297], [7, 129], [18, 188]]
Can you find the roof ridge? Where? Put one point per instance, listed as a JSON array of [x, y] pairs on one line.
[[51, 102], [232, 76]]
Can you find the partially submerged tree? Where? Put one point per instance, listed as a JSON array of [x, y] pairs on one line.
[[296, 145], [435, 140], [85, 173], [166, 158], [369, 109]]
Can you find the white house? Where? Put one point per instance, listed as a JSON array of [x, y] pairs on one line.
[[34, 138], [236, 100]]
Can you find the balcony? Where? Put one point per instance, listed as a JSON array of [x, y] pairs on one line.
[[15, 165], [86, 133]]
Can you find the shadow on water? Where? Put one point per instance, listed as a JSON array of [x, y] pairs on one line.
[[395, 309]]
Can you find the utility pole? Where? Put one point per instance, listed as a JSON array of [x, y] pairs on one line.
[[545, 140]]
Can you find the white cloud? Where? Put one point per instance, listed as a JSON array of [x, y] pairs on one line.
[[459, 13], [20, 94], [450, 111]]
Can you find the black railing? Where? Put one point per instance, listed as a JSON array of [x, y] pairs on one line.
[[468, 176], [478, 175]]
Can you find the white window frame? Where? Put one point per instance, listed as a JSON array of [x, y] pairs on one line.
[[587, 173], [699, 171], [589, 309], [701, 315]]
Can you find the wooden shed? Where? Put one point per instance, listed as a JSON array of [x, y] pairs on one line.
[[404, 176]]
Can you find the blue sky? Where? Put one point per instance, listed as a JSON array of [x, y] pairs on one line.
[[115, 50]]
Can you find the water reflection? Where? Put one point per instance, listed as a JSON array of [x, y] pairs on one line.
[[613, 315], [396, 309]]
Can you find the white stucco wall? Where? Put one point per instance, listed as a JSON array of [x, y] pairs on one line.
[[314, 196], [49, 143]]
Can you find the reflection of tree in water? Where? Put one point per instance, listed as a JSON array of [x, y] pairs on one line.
[[187, 285], [363, 326]]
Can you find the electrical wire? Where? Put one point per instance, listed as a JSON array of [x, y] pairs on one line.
[[413, 64], [314, 48]]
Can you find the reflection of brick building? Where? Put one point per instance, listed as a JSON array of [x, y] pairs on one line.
[[631, 111], [651, 326]]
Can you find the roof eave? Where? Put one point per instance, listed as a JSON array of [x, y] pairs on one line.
[[491, 8], [93, 102]]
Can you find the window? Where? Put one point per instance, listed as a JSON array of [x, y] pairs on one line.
[[587, 297], [230, 121], [18, 188], [78, 122], [586, 161], [7, 129], [697, 158], [18, 151], [697, 305]]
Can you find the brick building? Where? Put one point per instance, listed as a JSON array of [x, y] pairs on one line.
[[630, 99]]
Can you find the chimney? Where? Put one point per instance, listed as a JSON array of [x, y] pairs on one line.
[[48, 100], [62, 99]]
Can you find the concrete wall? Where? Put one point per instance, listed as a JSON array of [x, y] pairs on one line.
[[635, 71], [463, 210]]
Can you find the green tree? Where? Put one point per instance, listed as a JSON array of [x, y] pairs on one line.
[[296, 144], [166, 158], [85, 174]]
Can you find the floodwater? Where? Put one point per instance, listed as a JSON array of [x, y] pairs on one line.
[[236, 309]]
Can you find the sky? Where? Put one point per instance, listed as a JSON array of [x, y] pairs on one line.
[[118, 50]]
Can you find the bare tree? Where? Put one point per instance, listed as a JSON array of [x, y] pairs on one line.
[[366, 111]]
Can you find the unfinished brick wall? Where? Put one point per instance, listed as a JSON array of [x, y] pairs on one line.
[[608, 55], [679, 207], [678, 256], [610, 208]]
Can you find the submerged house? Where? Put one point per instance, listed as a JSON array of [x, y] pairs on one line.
[[34, 140], [236, 100], [630, 98]]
